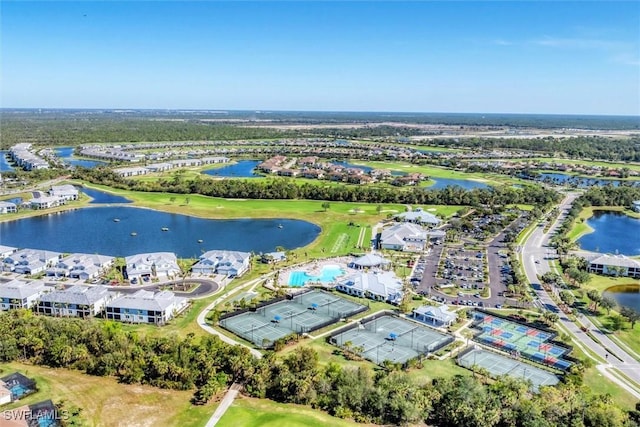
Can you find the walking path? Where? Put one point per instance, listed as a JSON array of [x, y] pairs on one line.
[[224, 404]]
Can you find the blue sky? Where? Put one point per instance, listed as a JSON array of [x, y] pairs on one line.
[[502, 57]]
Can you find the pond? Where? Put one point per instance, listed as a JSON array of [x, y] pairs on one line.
[[108, 231], [4, 162], [101, 197], [467, 184], [625, 295], [66, 155], [611, 234], [240, 169]]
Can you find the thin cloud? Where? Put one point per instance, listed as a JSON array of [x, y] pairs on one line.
[[579, 43], [627, 59]]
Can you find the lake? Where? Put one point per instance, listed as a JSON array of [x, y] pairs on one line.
[[467, 184], [625, 295], [241, 169], [102, 197], [613, 233], [93, 230], [66, 155], [4, 163]]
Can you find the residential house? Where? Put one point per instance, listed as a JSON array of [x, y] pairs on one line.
[[419, 216], [229, 263], [30, 261], [636, 205], [161, 265], [146, 307], [67, 192], [615, 265], [435, 315], [81, 266], [273, 257], [404, 237], [6, 251], [131, 171], [8, 207], [76, 301], [21, 294], [379, 286], [42, 201]]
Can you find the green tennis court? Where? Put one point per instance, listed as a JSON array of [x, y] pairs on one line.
[[304, 313], [391, 338], [498, 365]]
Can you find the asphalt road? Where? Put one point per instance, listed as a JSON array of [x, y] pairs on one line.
[[535, 260], [205, 288]]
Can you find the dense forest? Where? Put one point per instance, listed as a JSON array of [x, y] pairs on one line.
[[386, 396], [281, 188]]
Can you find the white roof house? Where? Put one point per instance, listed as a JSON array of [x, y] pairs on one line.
[[419, 216], [435, 315], [5, 251], [229, 263], [636, 205], [404, 237], [146, 307], [8, 207], [42, 201], [369, 260], [81, 266], [615, 265], [20, 293], [381, 286], [30, 261], [67, 192], [156, 264], [76, 301]]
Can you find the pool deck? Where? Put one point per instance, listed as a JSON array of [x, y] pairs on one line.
[[314, 268]]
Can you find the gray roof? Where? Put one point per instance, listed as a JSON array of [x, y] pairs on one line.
[[440, 313], [370, 260], [78, 294], [419, 216], [385, 284], [147, 300], [397, 233], [18, 289]]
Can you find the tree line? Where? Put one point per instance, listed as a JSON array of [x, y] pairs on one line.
[[386, 396], [282, 188]]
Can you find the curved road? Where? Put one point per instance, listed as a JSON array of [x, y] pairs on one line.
[[535, 260]]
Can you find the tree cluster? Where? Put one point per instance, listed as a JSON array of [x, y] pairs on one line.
[[282, 188]]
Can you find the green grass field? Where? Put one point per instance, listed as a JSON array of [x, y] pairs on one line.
[[105, 402], [247, 412]]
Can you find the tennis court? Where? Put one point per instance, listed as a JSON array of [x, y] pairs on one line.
[[521, 340], [498, 365], [391, 338], [306, 312]]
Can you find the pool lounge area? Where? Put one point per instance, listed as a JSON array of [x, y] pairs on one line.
[[327, 274]]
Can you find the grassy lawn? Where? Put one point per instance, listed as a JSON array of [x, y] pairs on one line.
[[266, 413], [334, 222], [630, 337], [105, 402]]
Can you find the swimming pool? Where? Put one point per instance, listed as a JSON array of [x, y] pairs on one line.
[[327, 275], [19, 390]]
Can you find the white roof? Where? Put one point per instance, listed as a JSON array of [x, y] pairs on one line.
[[147, 300], [384, 284], [420, 216], [397, 233], [370, 260], [616, 261], [439, 313], [19, 289]]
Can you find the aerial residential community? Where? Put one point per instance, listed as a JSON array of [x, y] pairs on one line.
[[320, 213]]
